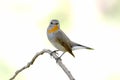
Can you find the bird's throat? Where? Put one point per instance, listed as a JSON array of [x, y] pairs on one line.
[[53, 29]]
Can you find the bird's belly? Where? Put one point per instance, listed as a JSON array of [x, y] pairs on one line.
[[54, 42]]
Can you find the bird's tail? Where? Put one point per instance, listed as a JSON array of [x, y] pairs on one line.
[[76, 46]]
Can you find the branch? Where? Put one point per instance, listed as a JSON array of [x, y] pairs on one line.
[[52, 53], [28, 65], [59, 61]]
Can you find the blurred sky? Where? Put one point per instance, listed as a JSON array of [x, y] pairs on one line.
[[94, 23]]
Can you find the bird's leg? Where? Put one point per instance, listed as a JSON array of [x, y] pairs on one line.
[[62, 54], [59, 58]]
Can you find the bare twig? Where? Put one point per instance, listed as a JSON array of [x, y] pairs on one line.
[[27, 66], [59, 61], [52, 53]]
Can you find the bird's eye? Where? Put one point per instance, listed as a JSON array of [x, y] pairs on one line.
[[56, 23], [51, 23]]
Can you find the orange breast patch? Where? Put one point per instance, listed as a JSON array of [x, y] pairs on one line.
[[53, 29]]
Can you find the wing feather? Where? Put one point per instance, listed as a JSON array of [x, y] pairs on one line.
[[64, 41]]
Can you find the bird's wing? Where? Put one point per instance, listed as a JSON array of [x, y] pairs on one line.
[[64, 41]]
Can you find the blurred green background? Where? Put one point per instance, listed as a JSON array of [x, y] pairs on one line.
[[95, 23]]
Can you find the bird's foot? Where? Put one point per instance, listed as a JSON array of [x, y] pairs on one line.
[[55, 51]]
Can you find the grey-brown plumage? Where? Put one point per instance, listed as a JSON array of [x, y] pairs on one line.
[[59, 40]]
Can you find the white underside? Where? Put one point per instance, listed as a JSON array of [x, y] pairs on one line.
[[77, 47]]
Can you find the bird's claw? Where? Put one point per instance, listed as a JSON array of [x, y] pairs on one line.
[[55, 51]]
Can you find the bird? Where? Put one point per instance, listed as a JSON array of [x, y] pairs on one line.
[[60, 40]]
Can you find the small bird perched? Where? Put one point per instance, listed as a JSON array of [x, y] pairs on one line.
[[59, 39]]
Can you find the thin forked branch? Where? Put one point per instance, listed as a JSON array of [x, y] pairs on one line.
[[53, 54]]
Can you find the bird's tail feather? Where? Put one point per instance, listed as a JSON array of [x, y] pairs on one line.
[[76, 46]]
